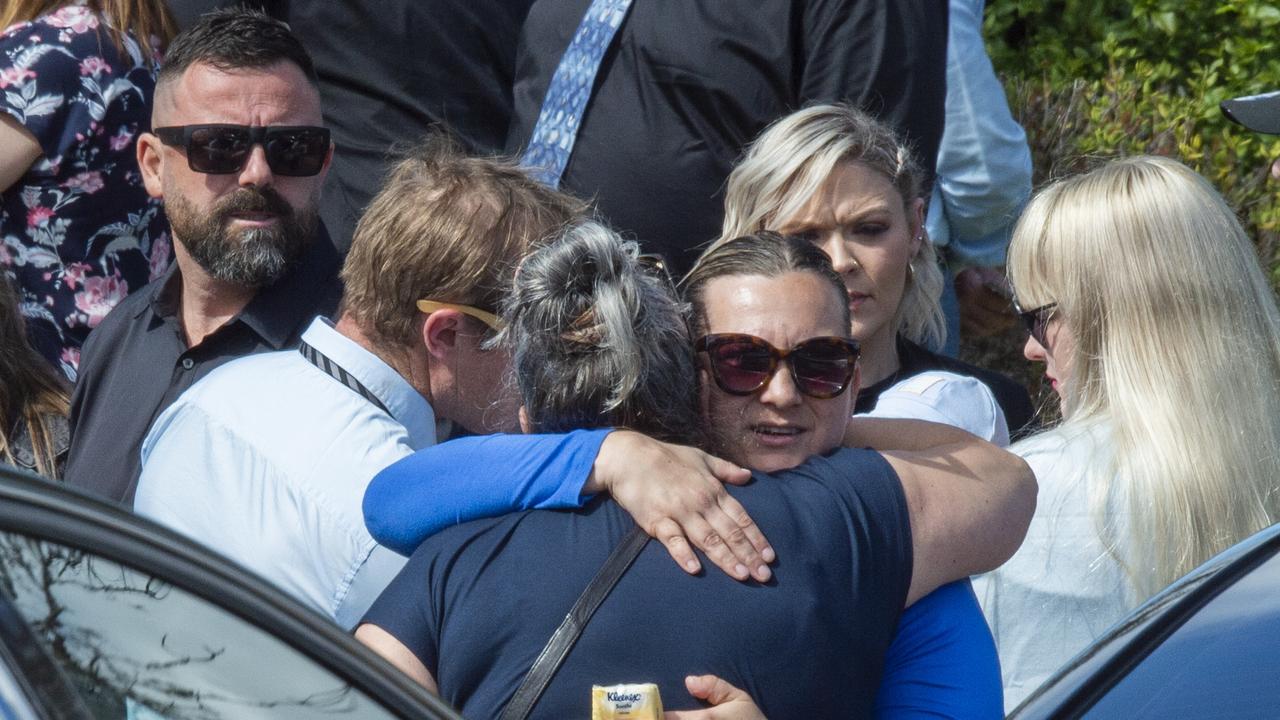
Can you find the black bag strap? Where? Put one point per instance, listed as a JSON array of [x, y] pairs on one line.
[[565, 636]]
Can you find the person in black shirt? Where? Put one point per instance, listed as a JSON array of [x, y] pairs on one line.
[[253, 264], [843, 180], [390, 70], [686, 84]]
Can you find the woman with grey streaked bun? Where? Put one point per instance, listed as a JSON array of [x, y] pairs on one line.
[[599, 341]]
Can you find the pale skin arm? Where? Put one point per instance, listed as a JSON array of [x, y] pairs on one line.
[[970, 501], [18, 150], [676, 494], [394, 651]]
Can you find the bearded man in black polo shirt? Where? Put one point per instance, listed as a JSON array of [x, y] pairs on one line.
[[238, 154]]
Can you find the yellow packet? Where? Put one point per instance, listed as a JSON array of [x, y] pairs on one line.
[[629, 702]]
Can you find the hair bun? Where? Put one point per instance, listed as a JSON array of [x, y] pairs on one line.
[[596, 341]]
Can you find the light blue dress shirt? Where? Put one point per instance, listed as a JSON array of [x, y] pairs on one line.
[[984, 163], [266, 460]]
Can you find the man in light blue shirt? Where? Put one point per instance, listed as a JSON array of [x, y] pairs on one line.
[[983, 181], [267, 459]]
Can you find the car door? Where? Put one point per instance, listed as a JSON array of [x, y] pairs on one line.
[[1207, 647], [142, 623]]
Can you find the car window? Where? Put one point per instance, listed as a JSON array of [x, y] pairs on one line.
[[1222, 663], [137, 647]]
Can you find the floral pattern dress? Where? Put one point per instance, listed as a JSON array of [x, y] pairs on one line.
[[77, 231]]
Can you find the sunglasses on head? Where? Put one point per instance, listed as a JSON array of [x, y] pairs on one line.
[[821, 367], [1036, 320], [218, 149]]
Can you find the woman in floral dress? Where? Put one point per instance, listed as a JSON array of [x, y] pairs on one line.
[[77, 229]]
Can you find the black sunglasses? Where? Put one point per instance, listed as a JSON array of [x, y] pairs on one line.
[[1036, 320], [291, 150], [821, 367]]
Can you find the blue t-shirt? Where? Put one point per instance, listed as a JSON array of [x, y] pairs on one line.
[[476, 477], [942, 663], [477, 603]]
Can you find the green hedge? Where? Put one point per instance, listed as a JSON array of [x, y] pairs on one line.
[[1093, 79]]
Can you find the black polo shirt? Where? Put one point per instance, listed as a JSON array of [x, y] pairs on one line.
[[389, 70], [136, 363], [687, 84]]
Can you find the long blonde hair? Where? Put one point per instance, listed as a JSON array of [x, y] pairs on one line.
[[1177, 352], [788, 164], [145, 19]]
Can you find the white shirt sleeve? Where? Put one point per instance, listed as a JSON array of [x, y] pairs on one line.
[[957, 400]]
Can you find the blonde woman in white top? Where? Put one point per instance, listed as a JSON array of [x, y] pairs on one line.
[[1161, 337], [844, 181]]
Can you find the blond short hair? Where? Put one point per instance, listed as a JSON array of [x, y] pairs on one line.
[[792, 159], [447, 227]]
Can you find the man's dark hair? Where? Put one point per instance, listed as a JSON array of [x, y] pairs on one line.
[[234, 39]]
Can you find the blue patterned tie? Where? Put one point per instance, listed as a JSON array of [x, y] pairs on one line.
[[547, 153]]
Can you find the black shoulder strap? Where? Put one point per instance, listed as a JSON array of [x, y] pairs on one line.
[[553, 655]]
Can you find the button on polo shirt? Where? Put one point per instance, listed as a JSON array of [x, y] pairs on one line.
[[136, 363]]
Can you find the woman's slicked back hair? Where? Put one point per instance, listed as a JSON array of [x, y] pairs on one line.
[[766, 254]]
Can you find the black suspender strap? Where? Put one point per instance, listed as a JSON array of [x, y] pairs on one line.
[[335, 371], [553, 655]]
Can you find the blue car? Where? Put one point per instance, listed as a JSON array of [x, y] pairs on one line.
[[1206, 647]]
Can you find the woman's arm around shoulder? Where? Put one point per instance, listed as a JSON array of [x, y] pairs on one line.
[[970, 502], [675, 493]]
